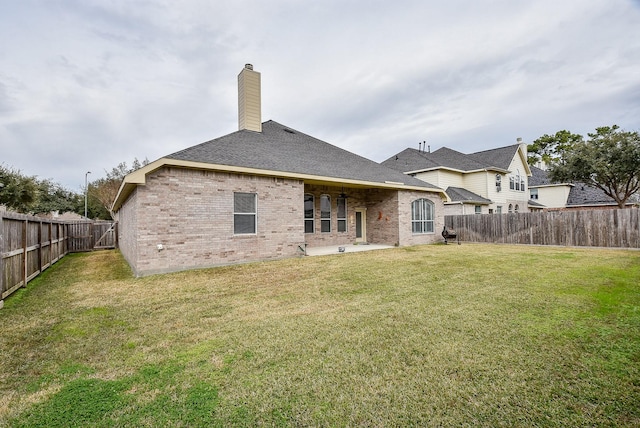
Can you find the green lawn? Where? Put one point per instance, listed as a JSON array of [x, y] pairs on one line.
[[475, 335]]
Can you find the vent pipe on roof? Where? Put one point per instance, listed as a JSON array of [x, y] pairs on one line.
[[249, 100]]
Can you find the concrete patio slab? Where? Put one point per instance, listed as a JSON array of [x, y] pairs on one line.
[[348, 248]]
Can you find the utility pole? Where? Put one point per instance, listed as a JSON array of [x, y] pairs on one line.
[[86, 191]]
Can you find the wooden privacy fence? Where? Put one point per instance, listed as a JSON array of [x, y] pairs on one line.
[[29, 245], [87, 236], [596, 228]]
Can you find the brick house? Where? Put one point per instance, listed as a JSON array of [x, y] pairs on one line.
[[266, 191]]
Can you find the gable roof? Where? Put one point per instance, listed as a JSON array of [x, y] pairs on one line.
[[412, 160], [283, 152], [499, 158], [459, 194]]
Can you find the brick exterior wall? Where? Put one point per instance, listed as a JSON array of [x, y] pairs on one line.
[[407, 237], [388, 216], [190, 213], [128, 230]]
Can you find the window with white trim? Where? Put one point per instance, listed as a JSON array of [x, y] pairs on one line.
[[533, 194], [245, 213], [478, 209], [422, 216], [510, 208], [342, 214], [309, 213], [325, 213]]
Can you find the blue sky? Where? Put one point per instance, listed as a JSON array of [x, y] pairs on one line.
[[86, 84]]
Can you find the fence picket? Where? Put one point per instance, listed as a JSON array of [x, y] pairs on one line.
[[595, 228]]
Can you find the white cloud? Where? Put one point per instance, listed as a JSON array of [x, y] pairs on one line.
[[88, 84]]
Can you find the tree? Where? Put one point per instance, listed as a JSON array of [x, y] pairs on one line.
[[552, 149], [29, 195], [609, 160], [17, 192], [53, 197], [105, 190]]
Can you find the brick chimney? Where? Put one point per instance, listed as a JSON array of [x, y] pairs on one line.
[[249, 110]]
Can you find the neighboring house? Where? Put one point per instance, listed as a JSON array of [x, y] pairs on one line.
[[266, 192], [491, 181], [65, 216], [566, 196]]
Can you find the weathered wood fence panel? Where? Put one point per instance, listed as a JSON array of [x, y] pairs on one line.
[[29, 245], [87, 236], [596, 228]]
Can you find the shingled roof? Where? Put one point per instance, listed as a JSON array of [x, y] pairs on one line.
[[498, 158], [459, 194], [582, 194], [412, 160], [279, 151], [284, 149], [539, 177]]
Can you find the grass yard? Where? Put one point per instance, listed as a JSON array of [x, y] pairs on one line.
[[470, 335]]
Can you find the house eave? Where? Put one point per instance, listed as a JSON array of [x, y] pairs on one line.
[[471, 171], [138, 178], [468, 202], [539, 186]]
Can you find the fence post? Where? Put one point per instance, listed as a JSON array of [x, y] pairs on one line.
[[1, 261], [40, 246], [25, 227]]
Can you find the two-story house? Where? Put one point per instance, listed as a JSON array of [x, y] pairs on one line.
[[486, 182]]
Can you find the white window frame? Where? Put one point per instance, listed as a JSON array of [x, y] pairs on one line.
[[311, 220], [325, 216], [342, 221], [237, 214], [423, 213]]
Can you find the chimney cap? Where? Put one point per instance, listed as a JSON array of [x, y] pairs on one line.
[[248, 66], [519, 139]]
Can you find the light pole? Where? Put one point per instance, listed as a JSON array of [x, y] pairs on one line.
[[86, 191]]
